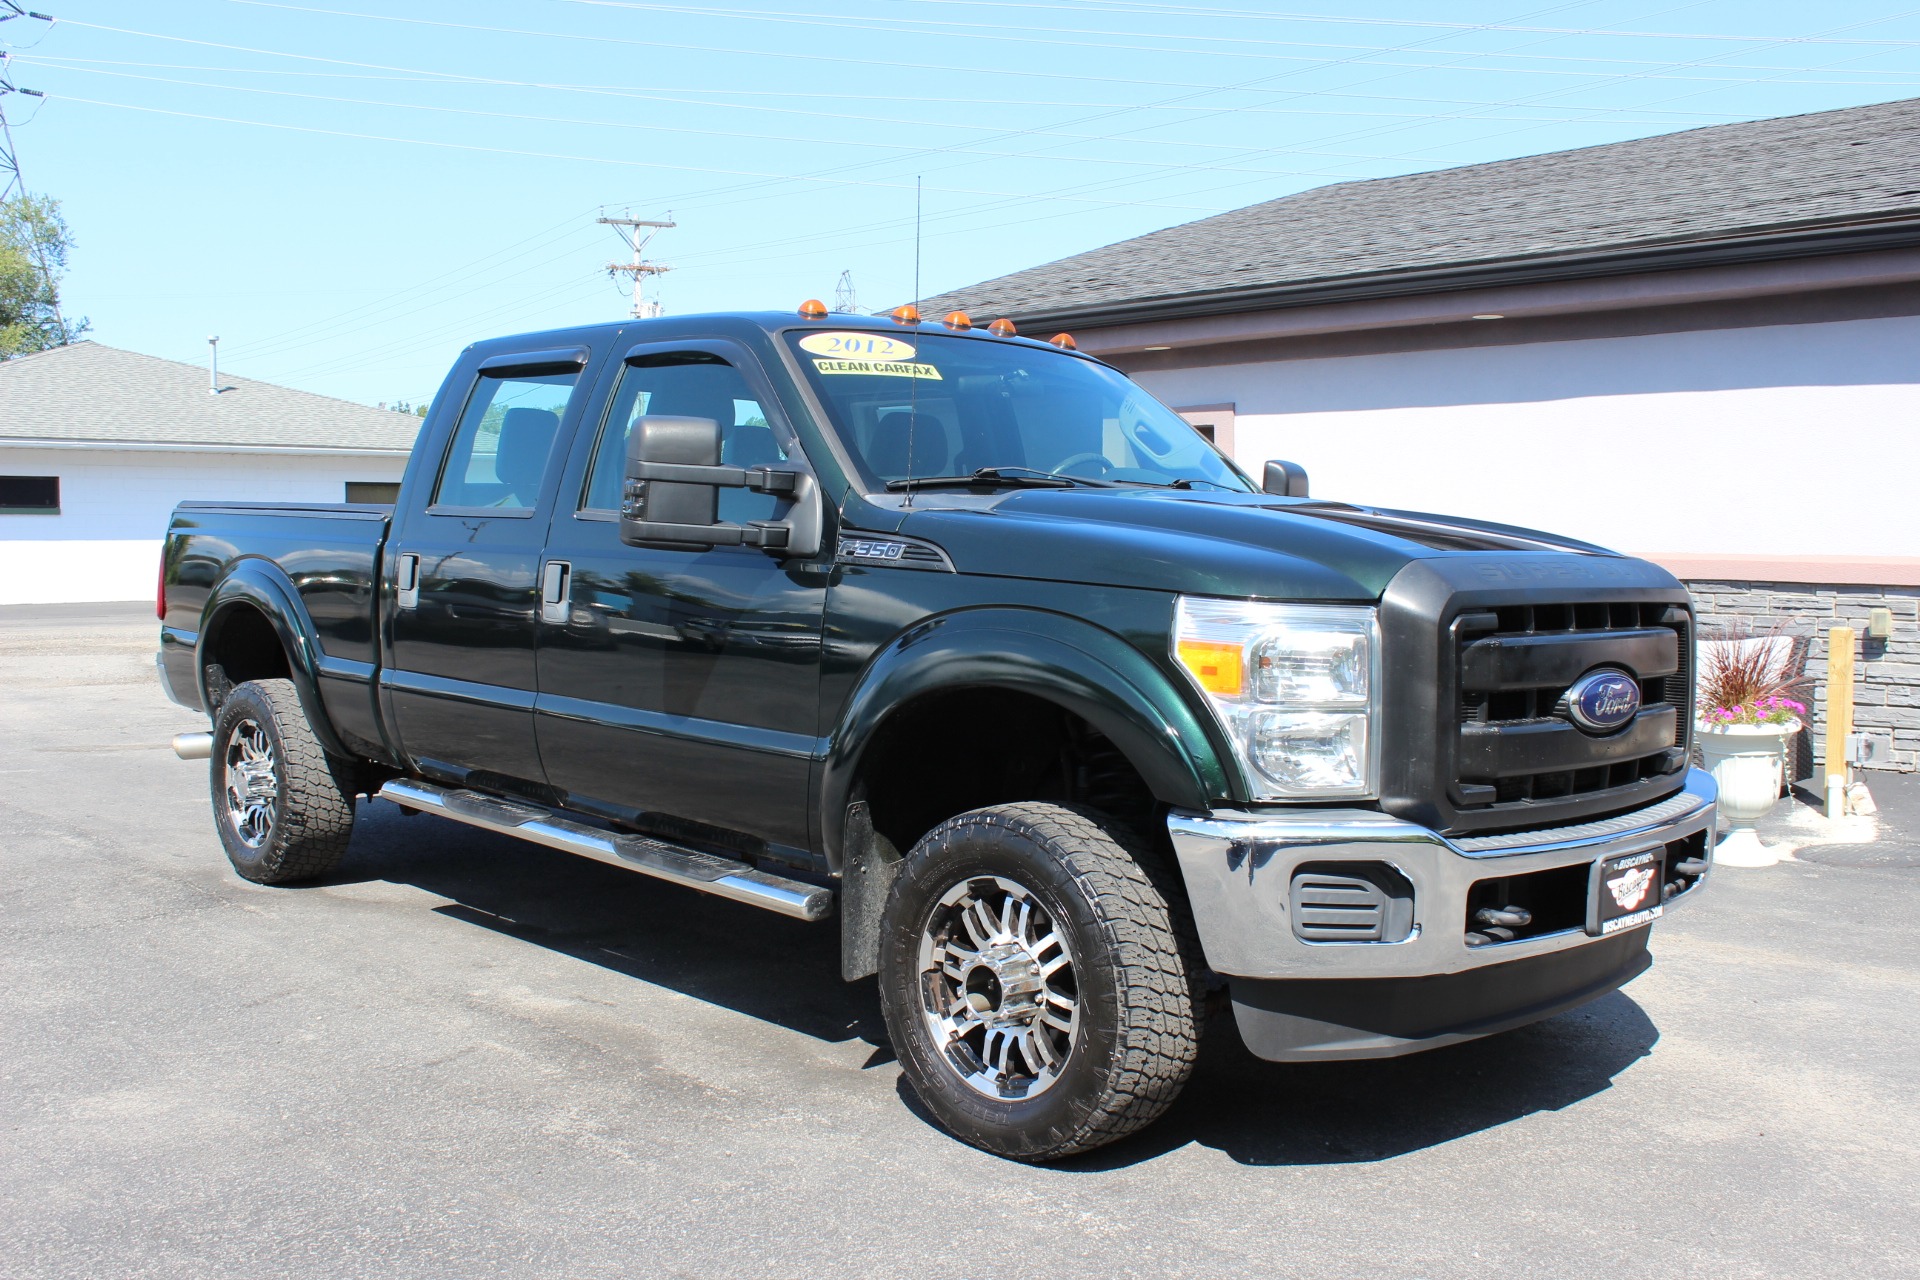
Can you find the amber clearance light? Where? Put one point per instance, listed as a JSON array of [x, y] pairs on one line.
[[1002, 328], [813, 309], [957, 320], [905, 313], [1064, 341]]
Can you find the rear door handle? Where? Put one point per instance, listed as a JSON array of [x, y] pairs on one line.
[[407, 579], [554, 584]]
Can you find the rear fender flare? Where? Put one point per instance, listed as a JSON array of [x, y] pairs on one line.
[[260, 584], [1082, 668]]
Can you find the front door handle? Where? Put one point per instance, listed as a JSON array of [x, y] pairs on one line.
[[554, 584], [407, 579]]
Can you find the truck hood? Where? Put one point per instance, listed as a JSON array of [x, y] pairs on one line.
[[1204, 543]]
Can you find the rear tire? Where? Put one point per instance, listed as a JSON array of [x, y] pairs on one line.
[[282, 805], [1034, 982]]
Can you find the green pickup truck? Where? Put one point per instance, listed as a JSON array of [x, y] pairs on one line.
[[963, 641]]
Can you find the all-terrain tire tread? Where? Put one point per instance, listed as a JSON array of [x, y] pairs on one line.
[[316, 816], [1159, 1040]]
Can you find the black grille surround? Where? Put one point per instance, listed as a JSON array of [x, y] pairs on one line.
[[1480, 648]]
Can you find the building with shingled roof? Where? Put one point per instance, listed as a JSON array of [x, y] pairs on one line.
[[1703, 347], [98, 444]]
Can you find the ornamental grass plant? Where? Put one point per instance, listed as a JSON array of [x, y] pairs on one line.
[[1750, 679]]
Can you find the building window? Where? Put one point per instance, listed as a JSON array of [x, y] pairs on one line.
[[29, 495], [378, 492], [1214, 421]]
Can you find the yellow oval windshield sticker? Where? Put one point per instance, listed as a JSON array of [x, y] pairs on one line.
[[880, 368], [857, 346]]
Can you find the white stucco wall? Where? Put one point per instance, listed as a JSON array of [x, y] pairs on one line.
[[114, 505], [1780, 440]]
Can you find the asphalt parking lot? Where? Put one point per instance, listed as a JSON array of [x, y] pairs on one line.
[[470, 1057]]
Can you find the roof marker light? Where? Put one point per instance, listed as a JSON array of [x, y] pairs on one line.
[[957, 320], [905, 313], [1002, 328], [813, 309], [1064, 341]]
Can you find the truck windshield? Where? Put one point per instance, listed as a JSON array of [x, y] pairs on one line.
[[920, 405]]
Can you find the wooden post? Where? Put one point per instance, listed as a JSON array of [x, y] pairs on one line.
[[1839, 716]]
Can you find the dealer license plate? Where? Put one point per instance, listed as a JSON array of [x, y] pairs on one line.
[[1625, 892]]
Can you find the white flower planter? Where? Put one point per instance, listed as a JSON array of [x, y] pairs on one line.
[[1747, 761]]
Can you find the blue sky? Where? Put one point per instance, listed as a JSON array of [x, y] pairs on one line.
[[349, 191]]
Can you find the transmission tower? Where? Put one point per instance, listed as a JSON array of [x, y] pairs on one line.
[[9, 158], [9, 162], [634, 233], [843, 294]]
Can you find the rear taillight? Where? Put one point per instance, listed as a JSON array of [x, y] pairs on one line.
[[160, 591]]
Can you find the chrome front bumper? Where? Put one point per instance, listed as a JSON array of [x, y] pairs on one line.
[[1239, 868]]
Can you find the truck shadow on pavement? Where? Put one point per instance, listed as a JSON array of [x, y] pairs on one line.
[[1265, 1113], [788, 973], [725, 953]]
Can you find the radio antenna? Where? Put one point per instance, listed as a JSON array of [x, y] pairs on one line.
[[913, 383]]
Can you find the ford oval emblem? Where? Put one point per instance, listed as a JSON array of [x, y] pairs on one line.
[[1601, 701]]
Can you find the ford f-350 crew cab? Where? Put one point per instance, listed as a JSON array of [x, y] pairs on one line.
[[963, 641]]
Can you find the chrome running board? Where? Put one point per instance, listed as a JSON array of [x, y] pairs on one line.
[[706, 872]]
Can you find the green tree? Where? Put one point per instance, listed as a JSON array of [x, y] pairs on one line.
[[34, 242]]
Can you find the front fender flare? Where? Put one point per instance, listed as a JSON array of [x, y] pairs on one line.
[[1074, 664], [253, 582]]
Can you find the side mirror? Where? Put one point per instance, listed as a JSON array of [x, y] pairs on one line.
[[671, 497], [1285, 479]]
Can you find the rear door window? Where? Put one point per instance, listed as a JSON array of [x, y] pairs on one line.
[[503, 447]]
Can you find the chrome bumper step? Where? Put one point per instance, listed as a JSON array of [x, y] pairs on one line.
[[692, 868]]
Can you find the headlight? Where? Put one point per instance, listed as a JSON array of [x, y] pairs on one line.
[[1294, 686]]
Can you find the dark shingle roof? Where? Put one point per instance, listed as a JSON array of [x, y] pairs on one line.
[[1828, 169], [90, 392]]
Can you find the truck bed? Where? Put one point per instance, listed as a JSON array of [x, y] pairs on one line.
[[325, 556]]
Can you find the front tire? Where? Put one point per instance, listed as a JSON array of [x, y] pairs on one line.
[[1034, 984], [279, 801]]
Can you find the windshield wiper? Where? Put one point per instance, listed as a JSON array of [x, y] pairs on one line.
[[1184, 482], [1016, 477]]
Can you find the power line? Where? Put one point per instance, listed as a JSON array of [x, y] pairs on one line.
[[894, 64], [917, 149], [666, 93]]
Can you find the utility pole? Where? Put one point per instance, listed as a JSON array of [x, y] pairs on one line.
[[843, 303], [634, 233]]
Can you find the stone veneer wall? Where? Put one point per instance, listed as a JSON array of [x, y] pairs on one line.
[[1886, 688]]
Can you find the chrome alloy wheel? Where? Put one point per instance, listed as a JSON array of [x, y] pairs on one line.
[[252, 780], [997, 988]]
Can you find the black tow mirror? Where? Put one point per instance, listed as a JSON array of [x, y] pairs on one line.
[[671, 497], [1285, 479]]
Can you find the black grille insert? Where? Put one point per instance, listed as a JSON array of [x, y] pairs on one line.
[[1514, 745]]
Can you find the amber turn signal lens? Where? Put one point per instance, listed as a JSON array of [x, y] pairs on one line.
[[1002, 328], [906, 313], [958, 320], [1214, 664], [1064, 341], [813, 309]]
